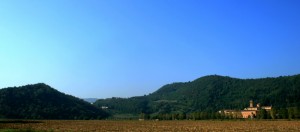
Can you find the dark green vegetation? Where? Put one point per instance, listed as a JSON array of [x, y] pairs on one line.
[[40, 101], [203, 97]]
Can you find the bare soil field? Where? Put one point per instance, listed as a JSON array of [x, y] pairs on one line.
[[149, 126]]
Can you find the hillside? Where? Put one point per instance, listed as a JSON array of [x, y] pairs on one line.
[[211, 93], [40, 101]]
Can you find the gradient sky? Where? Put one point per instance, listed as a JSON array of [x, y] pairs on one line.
[[124, 48]]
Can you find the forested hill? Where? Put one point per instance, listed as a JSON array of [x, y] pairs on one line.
[[211, 93], [40, 101]]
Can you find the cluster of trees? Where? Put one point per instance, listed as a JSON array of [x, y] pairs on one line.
[[184, 116], [210, 93], [275, 113], [280, 113], [132, 105], [40, 101]]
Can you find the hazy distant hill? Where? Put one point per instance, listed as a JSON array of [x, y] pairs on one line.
[[90, 100], [40, 101], [210, 93]]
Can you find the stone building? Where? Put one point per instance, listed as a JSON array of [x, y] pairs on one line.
[[251, 111], [248, 112]]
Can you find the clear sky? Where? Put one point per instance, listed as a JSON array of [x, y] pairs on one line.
[[124, 48]]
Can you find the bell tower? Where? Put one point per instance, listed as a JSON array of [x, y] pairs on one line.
[[251, 103]]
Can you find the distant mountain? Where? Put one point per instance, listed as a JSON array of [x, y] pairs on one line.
[[210, 93], [40, 101], [90, 100]]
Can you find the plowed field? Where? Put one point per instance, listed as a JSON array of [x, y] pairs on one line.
[[150, 126]]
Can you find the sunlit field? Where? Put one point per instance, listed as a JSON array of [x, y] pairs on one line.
[[95, 125]]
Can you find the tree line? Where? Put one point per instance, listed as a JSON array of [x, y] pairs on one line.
[[275, 113]]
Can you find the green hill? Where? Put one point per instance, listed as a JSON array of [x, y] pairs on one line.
[[40, 101], [210, 93]]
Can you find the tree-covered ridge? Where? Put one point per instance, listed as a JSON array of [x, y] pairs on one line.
[[40, 101], [210, 94]]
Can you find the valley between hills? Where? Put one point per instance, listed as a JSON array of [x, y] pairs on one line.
[[198, 99]]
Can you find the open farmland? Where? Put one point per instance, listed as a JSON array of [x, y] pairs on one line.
[[95, 125]]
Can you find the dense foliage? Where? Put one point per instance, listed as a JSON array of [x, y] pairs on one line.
[[210, 94], [40, 101]]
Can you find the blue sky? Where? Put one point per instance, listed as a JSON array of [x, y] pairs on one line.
[[124, 48]]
